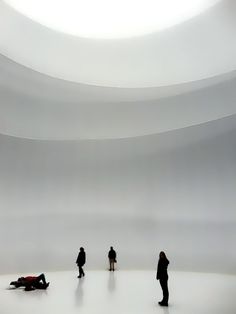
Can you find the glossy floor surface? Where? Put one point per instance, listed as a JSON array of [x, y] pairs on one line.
[[122, 292]]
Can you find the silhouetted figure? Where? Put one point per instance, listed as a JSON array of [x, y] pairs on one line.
[[31, 282], [112, 258], [81, 259], [162, 276]]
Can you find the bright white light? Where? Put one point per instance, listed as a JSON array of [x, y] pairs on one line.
[[110, 18]]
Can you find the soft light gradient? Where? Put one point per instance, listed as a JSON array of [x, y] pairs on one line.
[[173, 191], [110, 18], [201, 48]]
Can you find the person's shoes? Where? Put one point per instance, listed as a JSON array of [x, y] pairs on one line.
[[47, 284], [109, 269], [161, 303], [79, 276]]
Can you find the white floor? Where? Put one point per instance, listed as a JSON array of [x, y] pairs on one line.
[[122, 292]]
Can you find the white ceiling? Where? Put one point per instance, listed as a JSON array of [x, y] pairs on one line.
[[110, 18], [200, 48], [56, 86]]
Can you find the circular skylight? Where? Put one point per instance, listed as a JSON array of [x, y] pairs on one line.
[[110, 18]]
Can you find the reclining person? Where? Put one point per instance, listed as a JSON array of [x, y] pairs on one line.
[[31, 282]]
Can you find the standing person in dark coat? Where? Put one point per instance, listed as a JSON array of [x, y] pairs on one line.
[[162, 276], [112, 258], [81, 259]]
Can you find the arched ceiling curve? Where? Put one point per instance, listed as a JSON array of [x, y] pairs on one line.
[[40, 112], [43, 106], [200, 48], [104, 151]]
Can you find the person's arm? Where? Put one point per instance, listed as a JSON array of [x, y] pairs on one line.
[[17, 284], [158, 272]]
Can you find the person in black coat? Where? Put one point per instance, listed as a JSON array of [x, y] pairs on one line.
[[162, 276], [112, 258], [81, 259]]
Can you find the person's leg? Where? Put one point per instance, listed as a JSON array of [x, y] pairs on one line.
[[80, 271], [166, 292], [112, 264], [164, 286], [110, 261], [40, 282], [42, 278]]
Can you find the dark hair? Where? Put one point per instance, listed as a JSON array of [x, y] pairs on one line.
[[81, 249], [162, 255]]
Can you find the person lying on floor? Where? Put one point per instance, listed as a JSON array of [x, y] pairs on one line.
[[31, 282]]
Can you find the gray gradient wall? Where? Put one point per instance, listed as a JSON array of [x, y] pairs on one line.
[[173, 191]]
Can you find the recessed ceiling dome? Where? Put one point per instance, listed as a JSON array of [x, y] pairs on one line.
[[110, 18], [177, 55], [61, 87]]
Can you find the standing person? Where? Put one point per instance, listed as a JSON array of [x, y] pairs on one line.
[[81, 259], [112, 258], [162, 276]]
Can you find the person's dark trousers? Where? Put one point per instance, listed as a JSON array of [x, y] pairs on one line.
[[40, 282], [112, 264], [164, 286], [81, 272], [41, 278]]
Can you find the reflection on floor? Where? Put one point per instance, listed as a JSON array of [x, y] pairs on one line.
[[122, 292]]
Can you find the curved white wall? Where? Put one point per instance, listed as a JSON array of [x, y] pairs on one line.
[[105, 183], [174, 191], [38, 107]]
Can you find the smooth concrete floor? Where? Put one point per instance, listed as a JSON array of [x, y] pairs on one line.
[[122, 292]]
